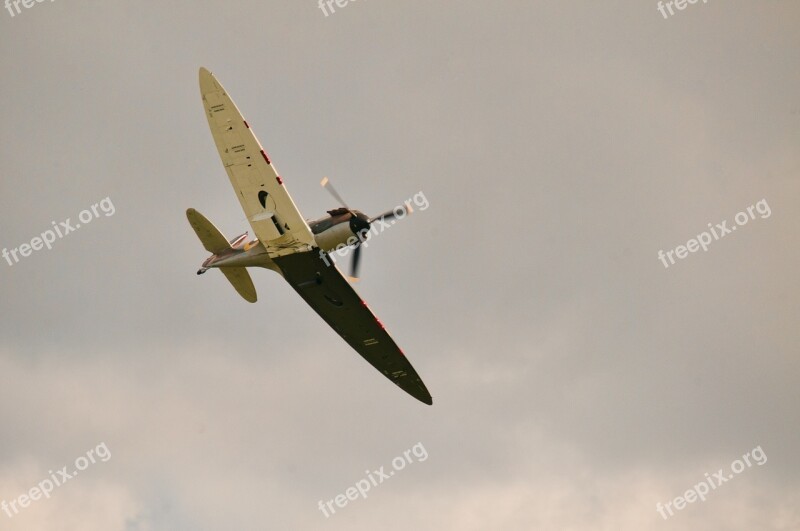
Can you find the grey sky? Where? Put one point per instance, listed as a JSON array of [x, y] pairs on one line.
[[561, 145]]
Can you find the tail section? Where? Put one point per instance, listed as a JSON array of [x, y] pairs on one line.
[[209, 235], [215, 243], [240, 278]]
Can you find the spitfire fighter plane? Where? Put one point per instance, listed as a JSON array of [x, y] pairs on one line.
[[294, 248]]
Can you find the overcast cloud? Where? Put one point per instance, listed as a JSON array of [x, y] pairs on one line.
[[577, 381]]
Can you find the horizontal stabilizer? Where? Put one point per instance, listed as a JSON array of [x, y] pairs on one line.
[[240, 278], [209, 235]]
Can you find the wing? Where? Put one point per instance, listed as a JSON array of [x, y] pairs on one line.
[[266, 202], [324, 288]]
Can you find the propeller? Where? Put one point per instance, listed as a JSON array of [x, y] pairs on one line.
[[326, 183], [390, 214], [361, 224]]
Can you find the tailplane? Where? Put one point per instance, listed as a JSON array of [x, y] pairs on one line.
[[240, 278], [210, 236], [215, 243]]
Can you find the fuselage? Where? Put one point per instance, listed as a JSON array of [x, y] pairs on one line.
[[336, 230], [339, 228]]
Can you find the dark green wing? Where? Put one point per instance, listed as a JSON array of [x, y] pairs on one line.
[[324, 288]]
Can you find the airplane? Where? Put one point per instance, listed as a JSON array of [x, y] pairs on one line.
[[294, 248]]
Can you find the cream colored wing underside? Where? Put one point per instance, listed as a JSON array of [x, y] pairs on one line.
[[269, 208]]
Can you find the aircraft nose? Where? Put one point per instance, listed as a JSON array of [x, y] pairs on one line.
[[359, 223]]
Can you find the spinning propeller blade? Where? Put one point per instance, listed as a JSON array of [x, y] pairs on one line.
[[390, 214], [329, 187], [360, 224], [354, 264]]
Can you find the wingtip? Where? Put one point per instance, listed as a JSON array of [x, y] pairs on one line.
[[207, 80], [423, 395]]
